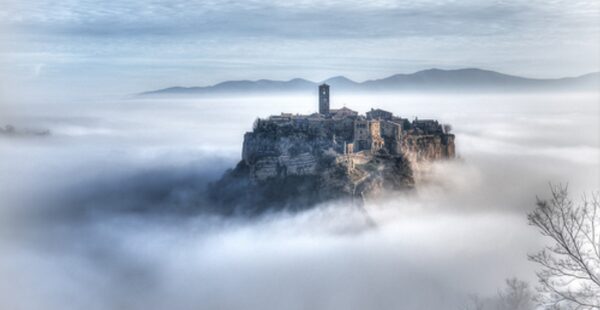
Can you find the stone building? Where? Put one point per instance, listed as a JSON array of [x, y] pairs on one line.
[[379, 114], [342, 113]]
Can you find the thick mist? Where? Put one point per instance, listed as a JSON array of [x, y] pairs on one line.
[[108, 211]]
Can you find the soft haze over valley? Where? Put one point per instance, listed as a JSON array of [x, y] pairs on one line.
[[117, 118]]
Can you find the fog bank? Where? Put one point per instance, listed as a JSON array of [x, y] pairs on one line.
[[109, 210]]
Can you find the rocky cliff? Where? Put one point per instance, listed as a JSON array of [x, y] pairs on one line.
[[297, 161]]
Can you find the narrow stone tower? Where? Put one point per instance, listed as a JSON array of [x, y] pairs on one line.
[[324, 99]]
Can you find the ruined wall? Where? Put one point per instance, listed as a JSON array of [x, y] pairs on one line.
[[361, 135], [375, 136], [391, 133], [343, 129]]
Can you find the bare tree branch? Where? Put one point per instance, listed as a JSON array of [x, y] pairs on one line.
[[570, 274]]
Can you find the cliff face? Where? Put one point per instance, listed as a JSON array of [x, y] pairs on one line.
[[269, 155], [297, 180], [294, 163], [428, 147]]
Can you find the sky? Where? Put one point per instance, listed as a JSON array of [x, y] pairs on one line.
[[121, 47]]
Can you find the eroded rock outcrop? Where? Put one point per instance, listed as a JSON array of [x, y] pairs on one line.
[[295, 161]]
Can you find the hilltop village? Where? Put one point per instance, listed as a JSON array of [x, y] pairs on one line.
[[297, 160]]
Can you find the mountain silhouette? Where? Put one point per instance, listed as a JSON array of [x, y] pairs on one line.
[[469, 79]]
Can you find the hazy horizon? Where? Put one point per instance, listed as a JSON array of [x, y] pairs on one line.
[[123, 47], [105, 197]]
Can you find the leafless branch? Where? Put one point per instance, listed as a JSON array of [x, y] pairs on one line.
[[570, 272]]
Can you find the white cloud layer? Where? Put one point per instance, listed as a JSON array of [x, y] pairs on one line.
[[98, 215]]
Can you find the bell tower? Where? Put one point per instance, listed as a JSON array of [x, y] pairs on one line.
[[324, 99]]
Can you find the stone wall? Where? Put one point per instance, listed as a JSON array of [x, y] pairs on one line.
[[391, 133], [375, 136], [282, 166], [361, 135]]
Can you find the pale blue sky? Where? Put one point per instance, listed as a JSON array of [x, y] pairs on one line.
[[120, 47]]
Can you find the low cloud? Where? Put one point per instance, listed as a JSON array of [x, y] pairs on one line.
[[110, 210]]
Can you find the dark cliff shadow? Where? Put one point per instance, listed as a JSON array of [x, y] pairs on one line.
[[236, 193]]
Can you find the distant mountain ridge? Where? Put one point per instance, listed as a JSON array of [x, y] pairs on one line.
[[469, 79]]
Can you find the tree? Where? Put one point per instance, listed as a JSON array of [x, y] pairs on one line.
[[447, 128], [516, 296], [570, 266], [473, 302]]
